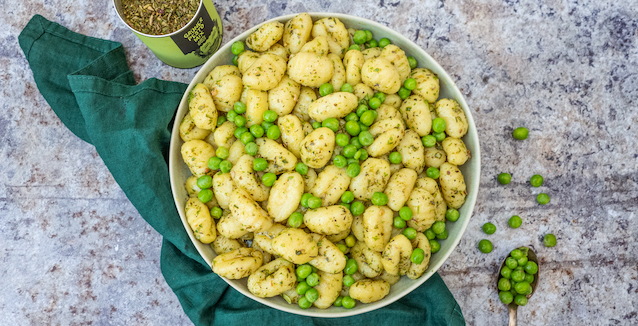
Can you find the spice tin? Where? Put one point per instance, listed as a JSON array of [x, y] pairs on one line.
[[191, 45]]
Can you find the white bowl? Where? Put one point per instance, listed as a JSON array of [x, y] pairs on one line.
[[471, 170]]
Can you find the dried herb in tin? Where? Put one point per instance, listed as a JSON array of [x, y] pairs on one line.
[[158, 17]]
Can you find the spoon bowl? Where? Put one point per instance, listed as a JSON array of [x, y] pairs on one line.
[[512, 307]]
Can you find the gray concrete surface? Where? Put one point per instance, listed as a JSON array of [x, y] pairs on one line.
[[74, 251]]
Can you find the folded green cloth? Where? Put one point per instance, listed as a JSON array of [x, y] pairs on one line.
[[88, 84]]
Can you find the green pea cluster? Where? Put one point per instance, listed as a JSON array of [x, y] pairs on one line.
[[517, 278], [205, 195]]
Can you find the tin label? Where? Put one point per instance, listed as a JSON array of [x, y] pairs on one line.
[[202, 39]]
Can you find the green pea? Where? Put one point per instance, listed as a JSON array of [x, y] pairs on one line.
[[221, 120], [434, 246], [239, 107], [410, 233], [368, 117], [326, 89], [356, 142], [331, 123], [216, 212], [348, 302], [410, 84], [316, 125], [372, 44], [357, 208], [379, 199], [520, 300], [314, 202], [270, 116], [516, 254], [384, 42], [366, 138], [304, 303], [345, 205], [353, 170], [273, 132], [347, 88], [511, 262], [430, 234], [251, 149], [452, 215], [240, 121], [368, 35], [489, 228], [269, 179], [225, 166], [536, 180], [395, 158], [205, 181], [417, 255], [439, 136], [338, 301], [312, 295], [504, 284], [351, 267], [361, 109], [302, 287], [222, 152], [504, 178], [313, 279], [349, 151], [549, 240], [506, 272], [529, 278], [353, 160], [347, 197], [398, 222], [354, 47], [213, 163], [374, 103], [266, 125], [359, 37], [443, 235], [240, 131], [380, 96], [295, 220], [520, 133], [542, 198], [348, 280], [260, 164], [432, 172], [205, 195], [438, 125], [438, 227], [301, 168], [257, 131], [340, 161], [522, 261], [405, 213], [515, 221], [518, 276], [235, 58], [362, 153], [237, 48], [506, 297], [412, 61], [404, 93], [531, 268], [304, 199], [343, 248], [352, 116], [485, 246], [428, 140], [247, 138], [352, 127], [350, 241]]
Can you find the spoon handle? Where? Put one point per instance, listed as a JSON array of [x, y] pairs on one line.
[[512, 311]]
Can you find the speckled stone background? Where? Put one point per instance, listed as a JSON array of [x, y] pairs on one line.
[[74, 251]]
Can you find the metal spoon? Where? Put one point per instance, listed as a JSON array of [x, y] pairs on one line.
[[531, 256]]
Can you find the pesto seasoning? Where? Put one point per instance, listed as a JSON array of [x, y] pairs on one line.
[[158, 17]]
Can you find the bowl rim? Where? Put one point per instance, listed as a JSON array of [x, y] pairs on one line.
[[442, 75]]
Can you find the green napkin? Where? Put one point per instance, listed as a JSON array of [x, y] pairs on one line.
[[88, 84]]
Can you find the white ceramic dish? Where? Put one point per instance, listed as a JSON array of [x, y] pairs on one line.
[[471, 170]]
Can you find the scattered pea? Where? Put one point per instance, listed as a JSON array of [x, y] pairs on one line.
[[504, 178]]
